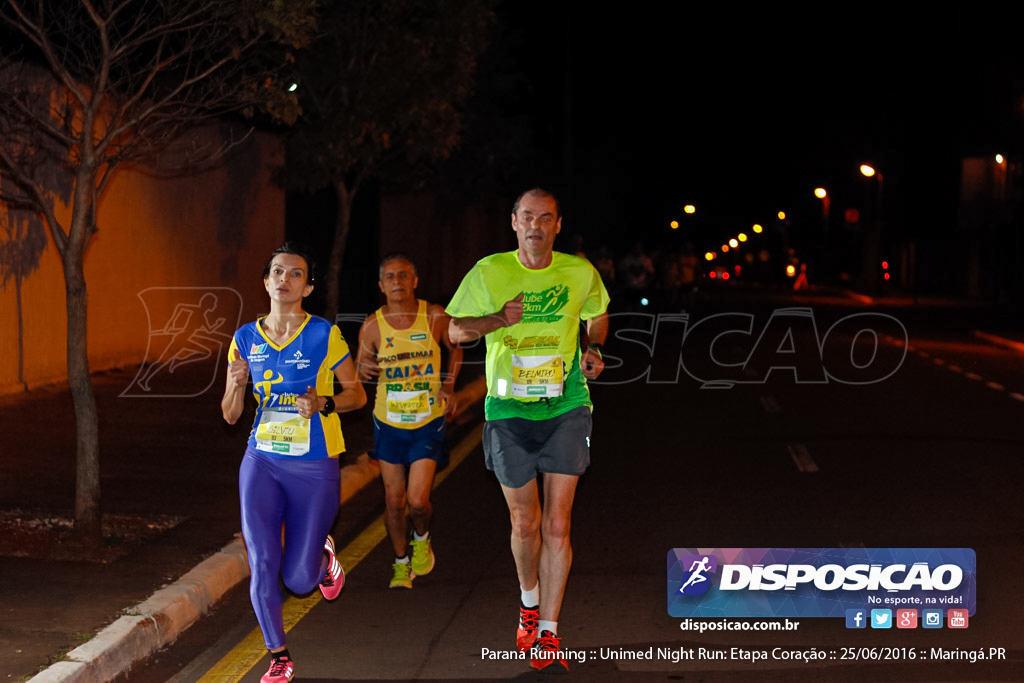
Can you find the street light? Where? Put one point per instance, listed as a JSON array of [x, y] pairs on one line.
[[822, 194], [1000, 177], [872, 246], [826, 203]]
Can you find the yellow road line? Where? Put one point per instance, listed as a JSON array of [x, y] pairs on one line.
[[248, 653]]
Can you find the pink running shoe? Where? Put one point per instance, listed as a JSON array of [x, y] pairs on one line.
[[334, 579], [281, 670]]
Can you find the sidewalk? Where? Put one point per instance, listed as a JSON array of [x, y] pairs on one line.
[[169, 455]]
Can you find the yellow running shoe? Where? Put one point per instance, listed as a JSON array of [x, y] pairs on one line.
[[403, 575]]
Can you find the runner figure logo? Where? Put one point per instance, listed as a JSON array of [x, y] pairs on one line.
[[189, 327], [695, 581]]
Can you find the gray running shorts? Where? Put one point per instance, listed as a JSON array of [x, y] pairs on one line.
[[517, 449]]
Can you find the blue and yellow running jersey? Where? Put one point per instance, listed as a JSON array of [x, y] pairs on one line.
[[280, 374]]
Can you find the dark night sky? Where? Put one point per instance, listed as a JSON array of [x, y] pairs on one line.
[[746, 113]]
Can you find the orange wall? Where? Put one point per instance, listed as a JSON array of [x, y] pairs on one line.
[[211, 230]]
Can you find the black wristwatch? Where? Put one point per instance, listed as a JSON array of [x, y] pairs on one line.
[[328, 405], [598, 349]]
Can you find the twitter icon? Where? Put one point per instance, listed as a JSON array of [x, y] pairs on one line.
[[881, 618]]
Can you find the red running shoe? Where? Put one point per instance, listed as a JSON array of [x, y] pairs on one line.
[[526, 634], [546, 656]]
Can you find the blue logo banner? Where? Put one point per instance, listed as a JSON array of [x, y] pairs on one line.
[[818, 582]]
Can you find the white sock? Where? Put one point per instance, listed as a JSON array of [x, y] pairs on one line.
[[402, 560], [547, 626], [417, 537], [530, 598]]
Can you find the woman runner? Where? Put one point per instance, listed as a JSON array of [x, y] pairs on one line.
[[289, 476]]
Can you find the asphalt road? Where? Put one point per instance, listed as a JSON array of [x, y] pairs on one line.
[[740, 450]]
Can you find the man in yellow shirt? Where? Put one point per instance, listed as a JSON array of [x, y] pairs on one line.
[[400, 349]]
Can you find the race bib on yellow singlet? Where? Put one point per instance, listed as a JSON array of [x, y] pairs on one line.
[[537, 376], [283, 433], [408, 407]]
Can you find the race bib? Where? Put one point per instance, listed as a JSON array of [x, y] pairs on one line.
[[408, 407], [282, 433], [537, 376]]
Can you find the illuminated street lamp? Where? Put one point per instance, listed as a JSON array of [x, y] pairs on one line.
[[872, 244], [826, 201], [1000, 177]]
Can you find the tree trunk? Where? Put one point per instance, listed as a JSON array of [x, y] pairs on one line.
[[87, 488], [341, 229]]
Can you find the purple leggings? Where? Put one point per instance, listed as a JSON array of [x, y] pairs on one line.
[[304, 496]]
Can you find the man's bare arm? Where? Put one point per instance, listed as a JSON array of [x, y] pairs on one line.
[[462, 330], [597, 329], [597, 332]]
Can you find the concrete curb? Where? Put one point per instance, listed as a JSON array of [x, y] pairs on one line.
[[163, 617], [154, 623]]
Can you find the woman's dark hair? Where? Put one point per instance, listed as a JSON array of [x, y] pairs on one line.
[[298, 250]]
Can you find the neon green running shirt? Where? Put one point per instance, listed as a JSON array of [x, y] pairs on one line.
[[533, 367]]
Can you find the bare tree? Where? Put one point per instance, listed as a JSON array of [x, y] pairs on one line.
[[89, 84], [383, 91]]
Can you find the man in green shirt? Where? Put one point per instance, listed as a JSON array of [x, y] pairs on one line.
[[528, 304]]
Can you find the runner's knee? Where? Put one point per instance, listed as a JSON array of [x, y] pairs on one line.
[[395, 501], [556, 527]]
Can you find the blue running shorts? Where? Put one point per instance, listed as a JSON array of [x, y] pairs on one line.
[[406, 446]]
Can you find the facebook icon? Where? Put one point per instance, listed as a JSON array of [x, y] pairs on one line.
[[856, 618]]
